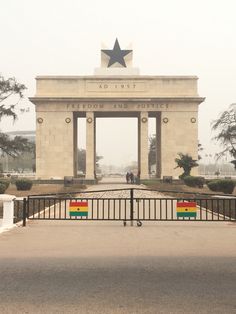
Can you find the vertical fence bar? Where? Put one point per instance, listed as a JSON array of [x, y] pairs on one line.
[[24, 211], [172, 209], [27, 209], [166, 202], [131, 206], [224, 208], [200, 205], [160, 209], [33, 205], [87, 217], [92, 208], [212, 209], [108, 206], [59, 209], [49, 208], [17, 206], [119, 207], [138, 201], [218, 209], [125, 209], [65, 208], [44, 208], [54, 208], [149, 209], [206, 209], [144, 209], [234, 215], [38, 205], [155, 209]]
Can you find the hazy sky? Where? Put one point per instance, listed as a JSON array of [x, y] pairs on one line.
[[169, 37]]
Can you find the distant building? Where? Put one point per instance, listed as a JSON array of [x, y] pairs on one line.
[[30, 135]]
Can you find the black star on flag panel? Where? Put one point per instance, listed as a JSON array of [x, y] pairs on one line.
[[116, 54]]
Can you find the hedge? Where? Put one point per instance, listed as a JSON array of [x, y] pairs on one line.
[[23, 184], [194, 181], [2, 188], [225, 186], [5, 182]]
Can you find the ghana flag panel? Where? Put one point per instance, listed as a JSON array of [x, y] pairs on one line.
[[186, 209], [78, 208]]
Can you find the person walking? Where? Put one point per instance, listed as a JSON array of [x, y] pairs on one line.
[[138, 178], [127, 177], [131, 177]]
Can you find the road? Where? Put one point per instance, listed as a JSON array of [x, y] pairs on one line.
[[103, 267]]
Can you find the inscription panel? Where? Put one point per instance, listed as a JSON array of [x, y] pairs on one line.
[[116, 86], [116, 107]]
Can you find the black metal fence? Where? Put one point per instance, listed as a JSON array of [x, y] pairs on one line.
[[126, 205]]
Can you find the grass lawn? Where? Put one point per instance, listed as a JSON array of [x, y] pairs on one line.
[[177, 187], [44, 189]]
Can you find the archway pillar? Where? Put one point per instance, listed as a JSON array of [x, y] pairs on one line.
[[90, 146], [143, 145], [158, 146]]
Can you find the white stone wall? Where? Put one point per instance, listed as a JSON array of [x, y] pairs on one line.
[[100, 86]]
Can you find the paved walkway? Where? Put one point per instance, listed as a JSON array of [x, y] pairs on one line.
[[102, 267]]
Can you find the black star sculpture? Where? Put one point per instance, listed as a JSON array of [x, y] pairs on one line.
[[116, 55]]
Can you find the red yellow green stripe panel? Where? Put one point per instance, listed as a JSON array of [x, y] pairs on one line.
[[186, 214], [78, 208], [184, 204], [79, 214], [186, 209]]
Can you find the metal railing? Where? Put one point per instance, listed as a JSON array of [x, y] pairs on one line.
[[125, 205]]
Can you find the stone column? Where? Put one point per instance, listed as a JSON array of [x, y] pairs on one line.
[[178, 135], [90, 146], [75, 138], [143, 145], [158, 145], [95, 146], [54, 144]]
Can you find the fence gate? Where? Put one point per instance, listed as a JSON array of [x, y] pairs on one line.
[[134, 205]]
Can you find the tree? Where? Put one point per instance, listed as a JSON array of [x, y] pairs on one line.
[[225, 125], [11, 92], [82, 160], [186, 162], [152, 151], [16, 146], [98, 158], [200, 149]]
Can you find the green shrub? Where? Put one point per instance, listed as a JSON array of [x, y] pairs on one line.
[[194, 181], [214, 185], [5, 182], [182, 176], [225, 186], [23, 184], [2, 188]]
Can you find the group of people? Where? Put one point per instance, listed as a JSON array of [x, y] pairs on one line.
[[130, 178]]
